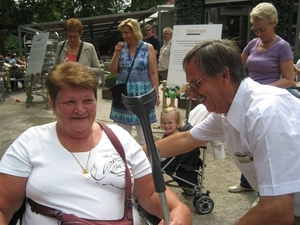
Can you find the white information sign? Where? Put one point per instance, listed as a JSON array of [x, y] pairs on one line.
[[37, 53], [185, 37]]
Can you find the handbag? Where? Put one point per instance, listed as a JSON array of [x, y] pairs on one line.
[[116, 93], [119, 89], [71, 219]]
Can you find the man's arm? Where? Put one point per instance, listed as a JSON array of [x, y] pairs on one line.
[[271, 210], [157, 46], [176, 144]]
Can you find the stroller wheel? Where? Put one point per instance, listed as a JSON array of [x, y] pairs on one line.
[[204, 205], [189, 191]]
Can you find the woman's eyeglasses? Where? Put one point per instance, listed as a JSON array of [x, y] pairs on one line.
[[75, 37], [261, 29]]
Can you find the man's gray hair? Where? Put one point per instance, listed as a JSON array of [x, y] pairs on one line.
[[214, 56]]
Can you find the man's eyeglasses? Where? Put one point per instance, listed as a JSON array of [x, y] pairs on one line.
[[261, 29], [147, 29], [195, 85]]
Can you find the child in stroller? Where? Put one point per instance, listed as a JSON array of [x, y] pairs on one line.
[[185, 164], [186, 170]]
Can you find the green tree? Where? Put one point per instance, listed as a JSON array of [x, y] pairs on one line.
[[6, 6], [37, 11], [137, 5], [11, 44], [188, 12], [6, 19]]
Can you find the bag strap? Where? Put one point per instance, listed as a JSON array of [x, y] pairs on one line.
[[62, 47], [137, 51], [79, 52], [44, 210], [118, 146], [55, 213]]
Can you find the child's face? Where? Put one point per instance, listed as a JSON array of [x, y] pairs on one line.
[[168, 124]]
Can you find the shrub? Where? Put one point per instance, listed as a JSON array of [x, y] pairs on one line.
[[110, 80]]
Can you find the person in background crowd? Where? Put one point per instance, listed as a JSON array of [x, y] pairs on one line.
[[142, 78], [8, 57], [15, 62], [3, 62], [260, 124], [73, 49], [71, 165], [268, 58], [152, 39], [164, 58]]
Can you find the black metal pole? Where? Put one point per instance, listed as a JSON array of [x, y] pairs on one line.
[[141, 106]]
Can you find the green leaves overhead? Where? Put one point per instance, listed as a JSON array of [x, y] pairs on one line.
[[188, 12], [37, 11]]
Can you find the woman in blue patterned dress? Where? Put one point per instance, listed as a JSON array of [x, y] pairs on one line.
[[143, 76]]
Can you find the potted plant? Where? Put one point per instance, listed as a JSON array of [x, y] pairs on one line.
[[109, 82], [183, 101]]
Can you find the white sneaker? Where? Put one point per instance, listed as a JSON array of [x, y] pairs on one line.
[[255, 202], [238, 188]]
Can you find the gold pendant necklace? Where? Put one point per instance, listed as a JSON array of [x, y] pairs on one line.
[[85, 170]]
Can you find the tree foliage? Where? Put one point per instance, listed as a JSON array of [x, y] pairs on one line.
[[137, 5], [38, 11], [188, 12]]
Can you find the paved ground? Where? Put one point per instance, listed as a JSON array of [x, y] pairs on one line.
[[219, 174]]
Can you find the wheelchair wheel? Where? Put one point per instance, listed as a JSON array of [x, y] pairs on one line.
[[189, 191], [204, 205], [147, 218]]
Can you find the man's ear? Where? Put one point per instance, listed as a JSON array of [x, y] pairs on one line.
[[226, 75]]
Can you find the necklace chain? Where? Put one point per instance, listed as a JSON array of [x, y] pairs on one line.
[[85, 170]]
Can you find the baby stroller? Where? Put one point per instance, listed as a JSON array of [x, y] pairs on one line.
[[186, 171]]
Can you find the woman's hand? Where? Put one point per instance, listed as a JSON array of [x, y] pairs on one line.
[[114, 64], [172, 222], [157, 101], [119, 47]]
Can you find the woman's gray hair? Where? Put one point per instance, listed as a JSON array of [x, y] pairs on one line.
[[135, 26], [266, 11], [214, 56]]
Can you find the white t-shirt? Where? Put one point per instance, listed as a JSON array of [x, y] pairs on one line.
[[265, 121], [55, 178], [164, 56]]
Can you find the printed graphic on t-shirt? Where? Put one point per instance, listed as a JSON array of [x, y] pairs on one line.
[[109, 170]]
